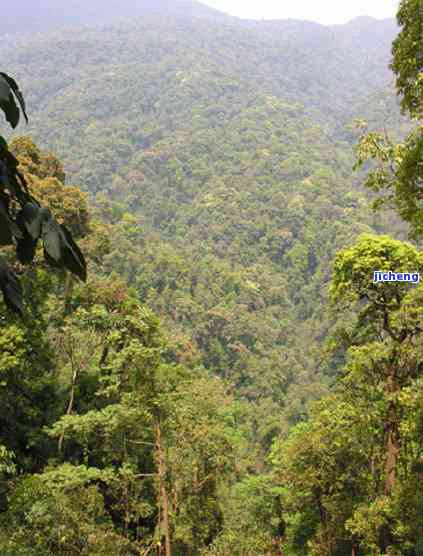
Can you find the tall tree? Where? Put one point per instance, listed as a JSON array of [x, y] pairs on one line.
[[407, 53], [398, 176], [383, 341]]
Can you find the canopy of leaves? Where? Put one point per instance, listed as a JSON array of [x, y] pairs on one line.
[[408, 57], [219, 161]]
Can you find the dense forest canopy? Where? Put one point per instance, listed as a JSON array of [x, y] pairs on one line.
[[229, 381], [232, 149]]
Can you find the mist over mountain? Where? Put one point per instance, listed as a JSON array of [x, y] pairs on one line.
[[25, 16], [326, 68]]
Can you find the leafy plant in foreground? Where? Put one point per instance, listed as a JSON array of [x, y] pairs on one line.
[[23, 221]]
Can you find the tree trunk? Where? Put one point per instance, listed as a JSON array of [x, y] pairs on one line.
[[75, 373], [392, 452], [323, 520], [164, 500], [69, 282], [393, 444]]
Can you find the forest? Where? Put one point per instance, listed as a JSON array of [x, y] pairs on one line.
[[206, 367]]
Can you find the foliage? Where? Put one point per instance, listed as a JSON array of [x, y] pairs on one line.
[[407, 57], [168, 405], [224, 164], [398, 175], [22, 219]]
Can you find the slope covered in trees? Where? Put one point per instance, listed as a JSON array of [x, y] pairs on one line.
[[218, 161], [231, 148]]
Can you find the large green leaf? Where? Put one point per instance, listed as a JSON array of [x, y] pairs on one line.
[[9, 89]]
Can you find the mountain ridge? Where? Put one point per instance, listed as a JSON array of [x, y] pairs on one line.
[[36, 16], [326, 69], [26, 17]]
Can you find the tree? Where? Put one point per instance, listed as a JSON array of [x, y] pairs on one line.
[[323, 465], [22, 219], [348, 472], [29, 394], [407, 51], [398, 177], [384, 343]]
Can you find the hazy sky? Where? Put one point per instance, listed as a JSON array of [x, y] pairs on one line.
[[322, 11]]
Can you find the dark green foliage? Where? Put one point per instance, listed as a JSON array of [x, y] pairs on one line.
[[11, 288], [28, 392], [398, 174], [9, 91], [408, 57], [32, 222]]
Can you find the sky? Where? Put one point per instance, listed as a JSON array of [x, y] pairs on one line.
[[321, 11]]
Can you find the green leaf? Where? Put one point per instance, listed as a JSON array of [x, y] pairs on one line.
[[9, 89]]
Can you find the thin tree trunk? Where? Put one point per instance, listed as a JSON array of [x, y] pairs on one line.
[[164, 500], [69, 282], [393, 444], [392, 452], [75, 374], [277, 548], [323, 520], [70, 406]]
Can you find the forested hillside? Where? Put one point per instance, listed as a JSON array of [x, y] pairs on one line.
[[215, 159], [232, 149]]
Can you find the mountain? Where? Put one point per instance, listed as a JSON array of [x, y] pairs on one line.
[[28, 16], [226, 150], [167, 405]]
